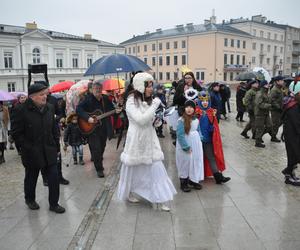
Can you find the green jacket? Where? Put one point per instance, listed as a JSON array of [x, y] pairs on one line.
[[262, 103], [276, 96], [249, 99]]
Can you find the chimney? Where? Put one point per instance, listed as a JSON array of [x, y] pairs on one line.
[[87, 36], [213, 18], [31, 26], [158, 30]]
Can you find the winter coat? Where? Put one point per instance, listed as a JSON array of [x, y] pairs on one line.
[[291, 131], [142, 144], [276, 96], [249, 100], [36, 132], [240, 94], [72, 135], [216, 102]]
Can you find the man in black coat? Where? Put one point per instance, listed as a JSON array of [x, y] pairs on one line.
[[97, 139], [34, 129], [291, 132]]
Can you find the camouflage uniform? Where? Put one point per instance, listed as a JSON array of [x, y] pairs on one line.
[[276, 96], [262, 118], [248, 101]]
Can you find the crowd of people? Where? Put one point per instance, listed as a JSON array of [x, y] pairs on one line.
[[37, 123]]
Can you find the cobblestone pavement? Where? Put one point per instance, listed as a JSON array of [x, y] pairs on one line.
[[255, 210]]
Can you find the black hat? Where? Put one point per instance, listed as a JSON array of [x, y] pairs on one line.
[[36, 87], [278, 78], [42, 82], [190, 103], [263, 83]]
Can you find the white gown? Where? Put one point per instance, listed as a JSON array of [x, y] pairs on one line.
[[191, 165]]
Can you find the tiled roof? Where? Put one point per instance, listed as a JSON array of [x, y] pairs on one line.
[[19, 30], [185, 30]]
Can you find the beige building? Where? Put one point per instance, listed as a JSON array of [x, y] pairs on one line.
[[214, 52]]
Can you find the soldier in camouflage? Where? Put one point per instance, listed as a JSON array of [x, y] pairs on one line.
[[276, 96], [248, 101]]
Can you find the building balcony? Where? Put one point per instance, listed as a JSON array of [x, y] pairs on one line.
[[296, 41], [296, 52], [235, 68]]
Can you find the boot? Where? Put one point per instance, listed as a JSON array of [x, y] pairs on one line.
[[75, 160], [260, 145], [184, 185], [220, 178], [195, 185], [275, 139], [81, 162], [245, 135]]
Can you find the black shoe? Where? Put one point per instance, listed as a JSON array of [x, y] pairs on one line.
[[253, 137], [45, 183], [237, 119], [160, 136], [184, 185], [32, 205], [57, 209], [100, 174], [290, 180], [260, 145], [274, 139], [63, 181], [195, 185], [219, 178], [242, 120], [75, 161], [245, 135], [81, 162]]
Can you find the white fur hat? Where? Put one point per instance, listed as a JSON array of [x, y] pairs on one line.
[[139, 81]]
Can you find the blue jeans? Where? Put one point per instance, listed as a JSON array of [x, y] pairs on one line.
[[78, 149]]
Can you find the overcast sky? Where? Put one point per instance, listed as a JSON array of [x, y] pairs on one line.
[[118, 20]]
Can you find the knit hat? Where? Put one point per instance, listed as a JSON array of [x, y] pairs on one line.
[[139, 81], [36, 87], [190, 103]]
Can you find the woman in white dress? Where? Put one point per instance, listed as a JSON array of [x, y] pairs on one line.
[[143, 172], [189, 154]]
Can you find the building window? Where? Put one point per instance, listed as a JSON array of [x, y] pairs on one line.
[[167, 75], [231, 59], [160, 61], [269, 35], [153, 61], [261, 47], [281, 37], [244, 60], [133, 50], [268, 61], [254, 32], [183, 59], [153, 46], [261, 60], [175, 60], [59, 60], [232, 43], [11, 86], [167, 45], [8, 60], [160, 46], [200, 75], [183, 44], [175, 75], [225, 76], [36, 56], [138, 49], [244, 44], [231, 76], [225, 42], [238, 59], [238, 43], [253, 59], [75, 60], [89, 60], [225, 59], [145, 48], [145, 60], [167, 60], [281, 49], [275, 49], [261, 34], [160, 76], [254, 46], [175, 45], [275, 36], [288, 60], [269, 48], [129, 50], [154, 76]]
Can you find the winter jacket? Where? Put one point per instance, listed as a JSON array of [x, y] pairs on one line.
[[142, 144], [72, 135], [35, 131], [276, 96], [262, 103], [249, 100], [240, 94]]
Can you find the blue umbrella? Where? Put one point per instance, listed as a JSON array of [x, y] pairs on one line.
[[116, 63]]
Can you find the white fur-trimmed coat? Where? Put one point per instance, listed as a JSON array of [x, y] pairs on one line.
[[142, 145]]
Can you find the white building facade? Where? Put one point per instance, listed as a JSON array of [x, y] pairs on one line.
[[67, 56]]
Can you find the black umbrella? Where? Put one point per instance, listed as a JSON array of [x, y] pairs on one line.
[[247, 76], [116, 63]]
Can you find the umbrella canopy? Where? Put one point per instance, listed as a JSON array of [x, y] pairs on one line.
[[116, 63], [113, 84], [61, 86], [15, 94], [6, 96], [246, 76]]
